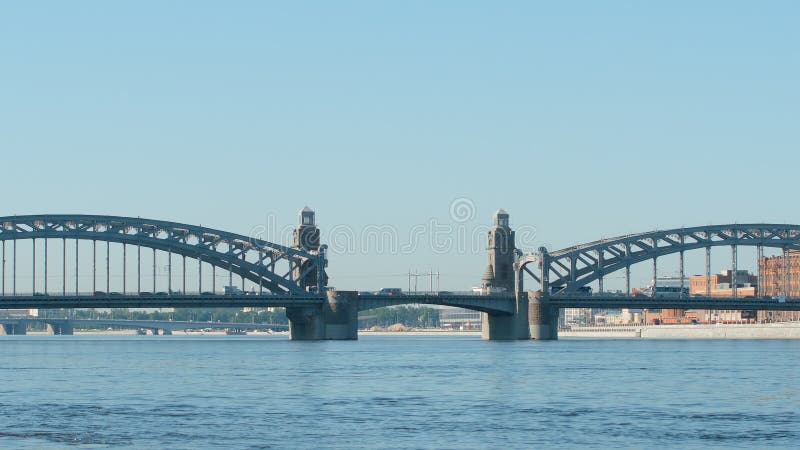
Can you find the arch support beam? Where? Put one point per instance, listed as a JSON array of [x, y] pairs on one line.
[[575, 267], [264, 263]]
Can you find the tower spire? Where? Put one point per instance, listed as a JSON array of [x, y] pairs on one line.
[[499, 273]]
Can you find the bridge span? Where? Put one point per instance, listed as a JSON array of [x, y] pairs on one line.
[[182, 265], [147, 300]]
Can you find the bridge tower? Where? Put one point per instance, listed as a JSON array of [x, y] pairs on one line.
[[337, 319], [499, 279], [306, 237], [499, 274]]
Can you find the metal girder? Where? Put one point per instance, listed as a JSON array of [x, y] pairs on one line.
[[251, 258], [580, 265], [533, 275]]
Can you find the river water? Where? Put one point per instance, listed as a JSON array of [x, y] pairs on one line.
[[396, 392]]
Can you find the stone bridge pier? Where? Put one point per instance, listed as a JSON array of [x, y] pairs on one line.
[[534, 318], [336, 319], [542, 317], [507, 327], [17, 328], [59, 327]]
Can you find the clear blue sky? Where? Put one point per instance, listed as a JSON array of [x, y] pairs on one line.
[[582, 119]]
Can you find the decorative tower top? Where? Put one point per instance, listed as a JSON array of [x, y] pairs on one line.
[[307, 217], [501, 218], [306, 235]]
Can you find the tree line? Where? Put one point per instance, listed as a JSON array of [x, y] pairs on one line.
[[410, 316]]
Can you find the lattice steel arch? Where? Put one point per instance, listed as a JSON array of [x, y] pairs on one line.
[[228, 251], [569, 269]]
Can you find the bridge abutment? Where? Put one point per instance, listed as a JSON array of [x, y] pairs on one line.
[[543, 318], [497, 327], [336, 319]]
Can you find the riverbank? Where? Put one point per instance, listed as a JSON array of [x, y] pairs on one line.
[[174, 333], [718, 331]]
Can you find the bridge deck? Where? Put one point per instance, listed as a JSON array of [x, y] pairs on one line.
[[502, 304], [498, 304]]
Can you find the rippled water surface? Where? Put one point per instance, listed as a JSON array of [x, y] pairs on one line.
[[396, 392]]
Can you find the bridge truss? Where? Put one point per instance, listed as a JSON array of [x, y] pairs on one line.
[[273, 268], [564, 272]]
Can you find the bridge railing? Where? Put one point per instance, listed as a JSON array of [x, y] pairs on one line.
[[149, 294], [438, 294]]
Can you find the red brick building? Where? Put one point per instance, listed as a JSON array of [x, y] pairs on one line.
[[776, 281], [721, 285]]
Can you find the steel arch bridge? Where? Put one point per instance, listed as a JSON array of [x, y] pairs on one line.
[[276, 268], [566, 271]]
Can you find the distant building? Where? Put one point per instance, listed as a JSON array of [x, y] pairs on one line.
[[19, 312], [576, 316], [668, 287], [774, 281], [721, 285], [459, 319], [152, 310]]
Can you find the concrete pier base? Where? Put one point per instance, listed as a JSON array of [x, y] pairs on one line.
[[543, 318], [341, 315], [305, 324], [13, 329], [337, 319], [496, 327]]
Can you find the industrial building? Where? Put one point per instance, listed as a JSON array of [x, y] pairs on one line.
[[721, 285], [779, 276]]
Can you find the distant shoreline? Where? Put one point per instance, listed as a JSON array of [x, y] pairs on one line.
[[419, 333], [788, 330]]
